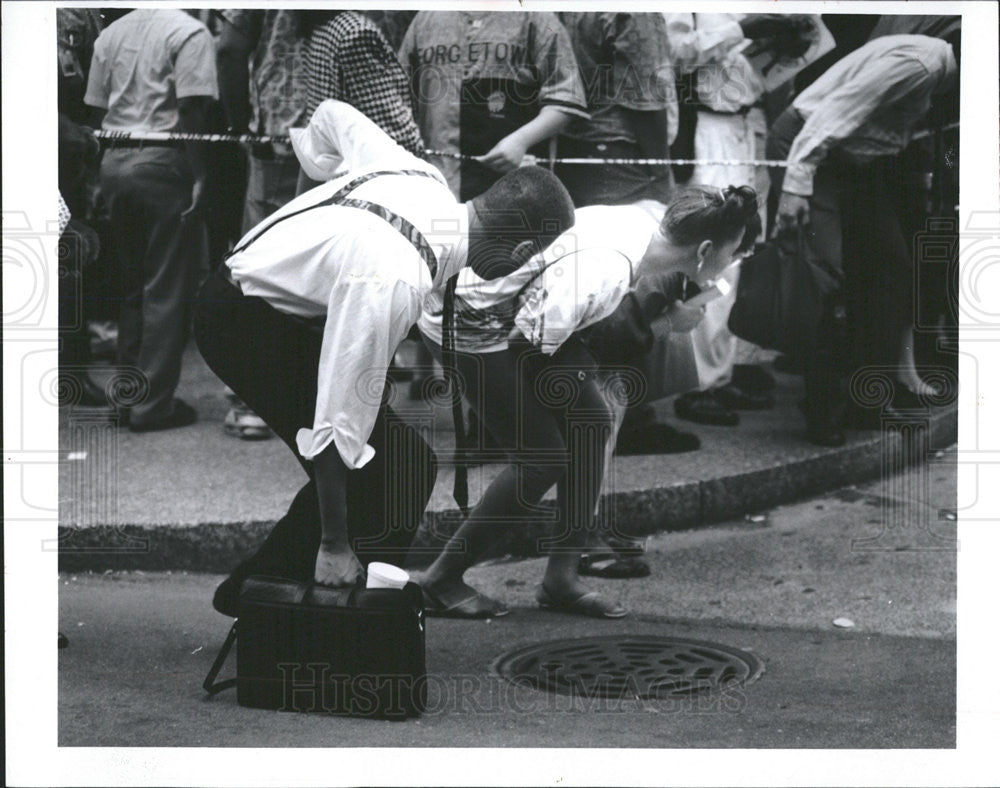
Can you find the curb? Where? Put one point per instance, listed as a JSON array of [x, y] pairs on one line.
[[217, 547]]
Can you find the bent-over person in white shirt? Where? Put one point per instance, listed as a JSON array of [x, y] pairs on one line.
[[305, 315], [542, 353], [842, 138]]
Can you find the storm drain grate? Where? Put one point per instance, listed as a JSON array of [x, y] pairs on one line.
[[629, 666]]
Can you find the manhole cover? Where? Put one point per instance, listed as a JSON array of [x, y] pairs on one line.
[[629, 665]]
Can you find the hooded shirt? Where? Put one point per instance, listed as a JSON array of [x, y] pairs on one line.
[[350, 270]]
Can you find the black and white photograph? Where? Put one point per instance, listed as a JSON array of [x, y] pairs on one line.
[[501, 393]]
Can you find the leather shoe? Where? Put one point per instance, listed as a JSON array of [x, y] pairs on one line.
[[655, 439], [702, 407], [735, 398], [183, 415], [752, 379]]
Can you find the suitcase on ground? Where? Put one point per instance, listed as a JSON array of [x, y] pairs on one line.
[[302, 647]]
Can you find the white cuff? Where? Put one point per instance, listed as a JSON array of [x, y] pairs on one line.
[[312, 442], [799, 180]]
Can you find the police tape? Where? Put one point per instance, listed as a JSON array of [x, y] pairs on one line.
[[635, 162], [263, 139]]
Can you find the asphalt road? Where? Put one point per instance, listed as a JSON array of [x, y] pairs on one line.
[[883, 556]]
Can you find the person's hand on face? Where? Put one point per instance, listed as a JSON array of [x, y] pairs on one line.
[[684, 318]]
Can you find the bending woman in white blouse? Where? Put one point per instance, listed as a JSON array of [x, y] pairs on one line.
[[585, 303]]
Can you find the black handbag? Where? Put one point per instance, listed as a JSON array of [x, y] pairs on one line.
[[782, 297], [303, 647]]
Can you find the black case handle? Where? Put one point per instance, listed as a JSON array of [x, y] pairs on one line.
[[210, 685]]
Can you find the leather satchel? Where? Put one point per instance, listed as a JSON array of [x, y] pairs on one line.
[[302, 647], [782, 297]]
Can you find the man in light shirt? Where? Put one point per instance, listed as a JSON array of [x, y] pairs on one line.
[[842, 138], [357, 259], [154, 70]]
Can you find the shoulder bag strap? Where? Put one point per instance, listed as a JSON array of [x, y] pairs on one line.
[[461, 487], [210, 685]]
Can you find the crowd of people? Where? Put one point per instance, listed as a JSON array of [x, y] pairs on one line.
[[392, 192]]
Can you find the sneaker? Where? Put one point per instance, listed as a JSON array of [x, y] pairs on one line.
[[245, 424]]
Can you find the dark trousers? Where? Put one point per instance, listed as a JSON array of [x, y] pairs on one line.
[[146, 190], [855, 234], [823, 358], [611, 184], [271, 360]]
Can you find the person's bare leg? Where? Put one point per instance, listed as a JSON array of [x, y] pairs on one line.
[[505, 500], [588, 430]]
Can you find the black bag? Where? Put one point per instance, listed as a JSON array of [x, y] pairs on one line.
[[302, 647], [781, 297]]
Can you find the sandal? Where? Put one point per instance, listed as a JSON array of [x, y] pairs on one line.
[[611, 566], [589, 603], [473, 606]]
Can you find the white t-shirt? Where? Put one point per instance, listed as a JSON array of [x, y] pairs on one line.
[[352, 267], [578, 280], [144, 62]]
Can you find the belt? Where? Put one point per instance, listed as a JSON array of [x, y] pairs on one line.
[[127, 143], [741, 111]]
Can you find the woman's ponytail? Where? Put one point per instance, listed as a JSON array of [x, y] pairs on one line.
[[698, 213]]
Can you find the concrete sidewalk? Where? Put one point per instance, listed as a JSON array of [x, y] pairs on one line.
[[141, 643], [195, 498]]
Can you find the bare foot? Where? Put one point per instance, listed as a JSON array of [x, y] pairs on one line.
[[916, 384], [564, 588]]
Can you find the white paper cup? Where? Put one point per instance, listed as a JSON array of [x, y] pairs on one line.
[[386, 576]]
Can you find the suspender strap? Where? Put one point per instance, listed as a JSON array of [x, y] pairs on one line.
[[407, 230], [461, 488], [336, 198]]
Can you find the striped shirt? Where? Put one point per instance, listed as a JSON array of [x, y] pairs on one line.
[[868, 103]]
